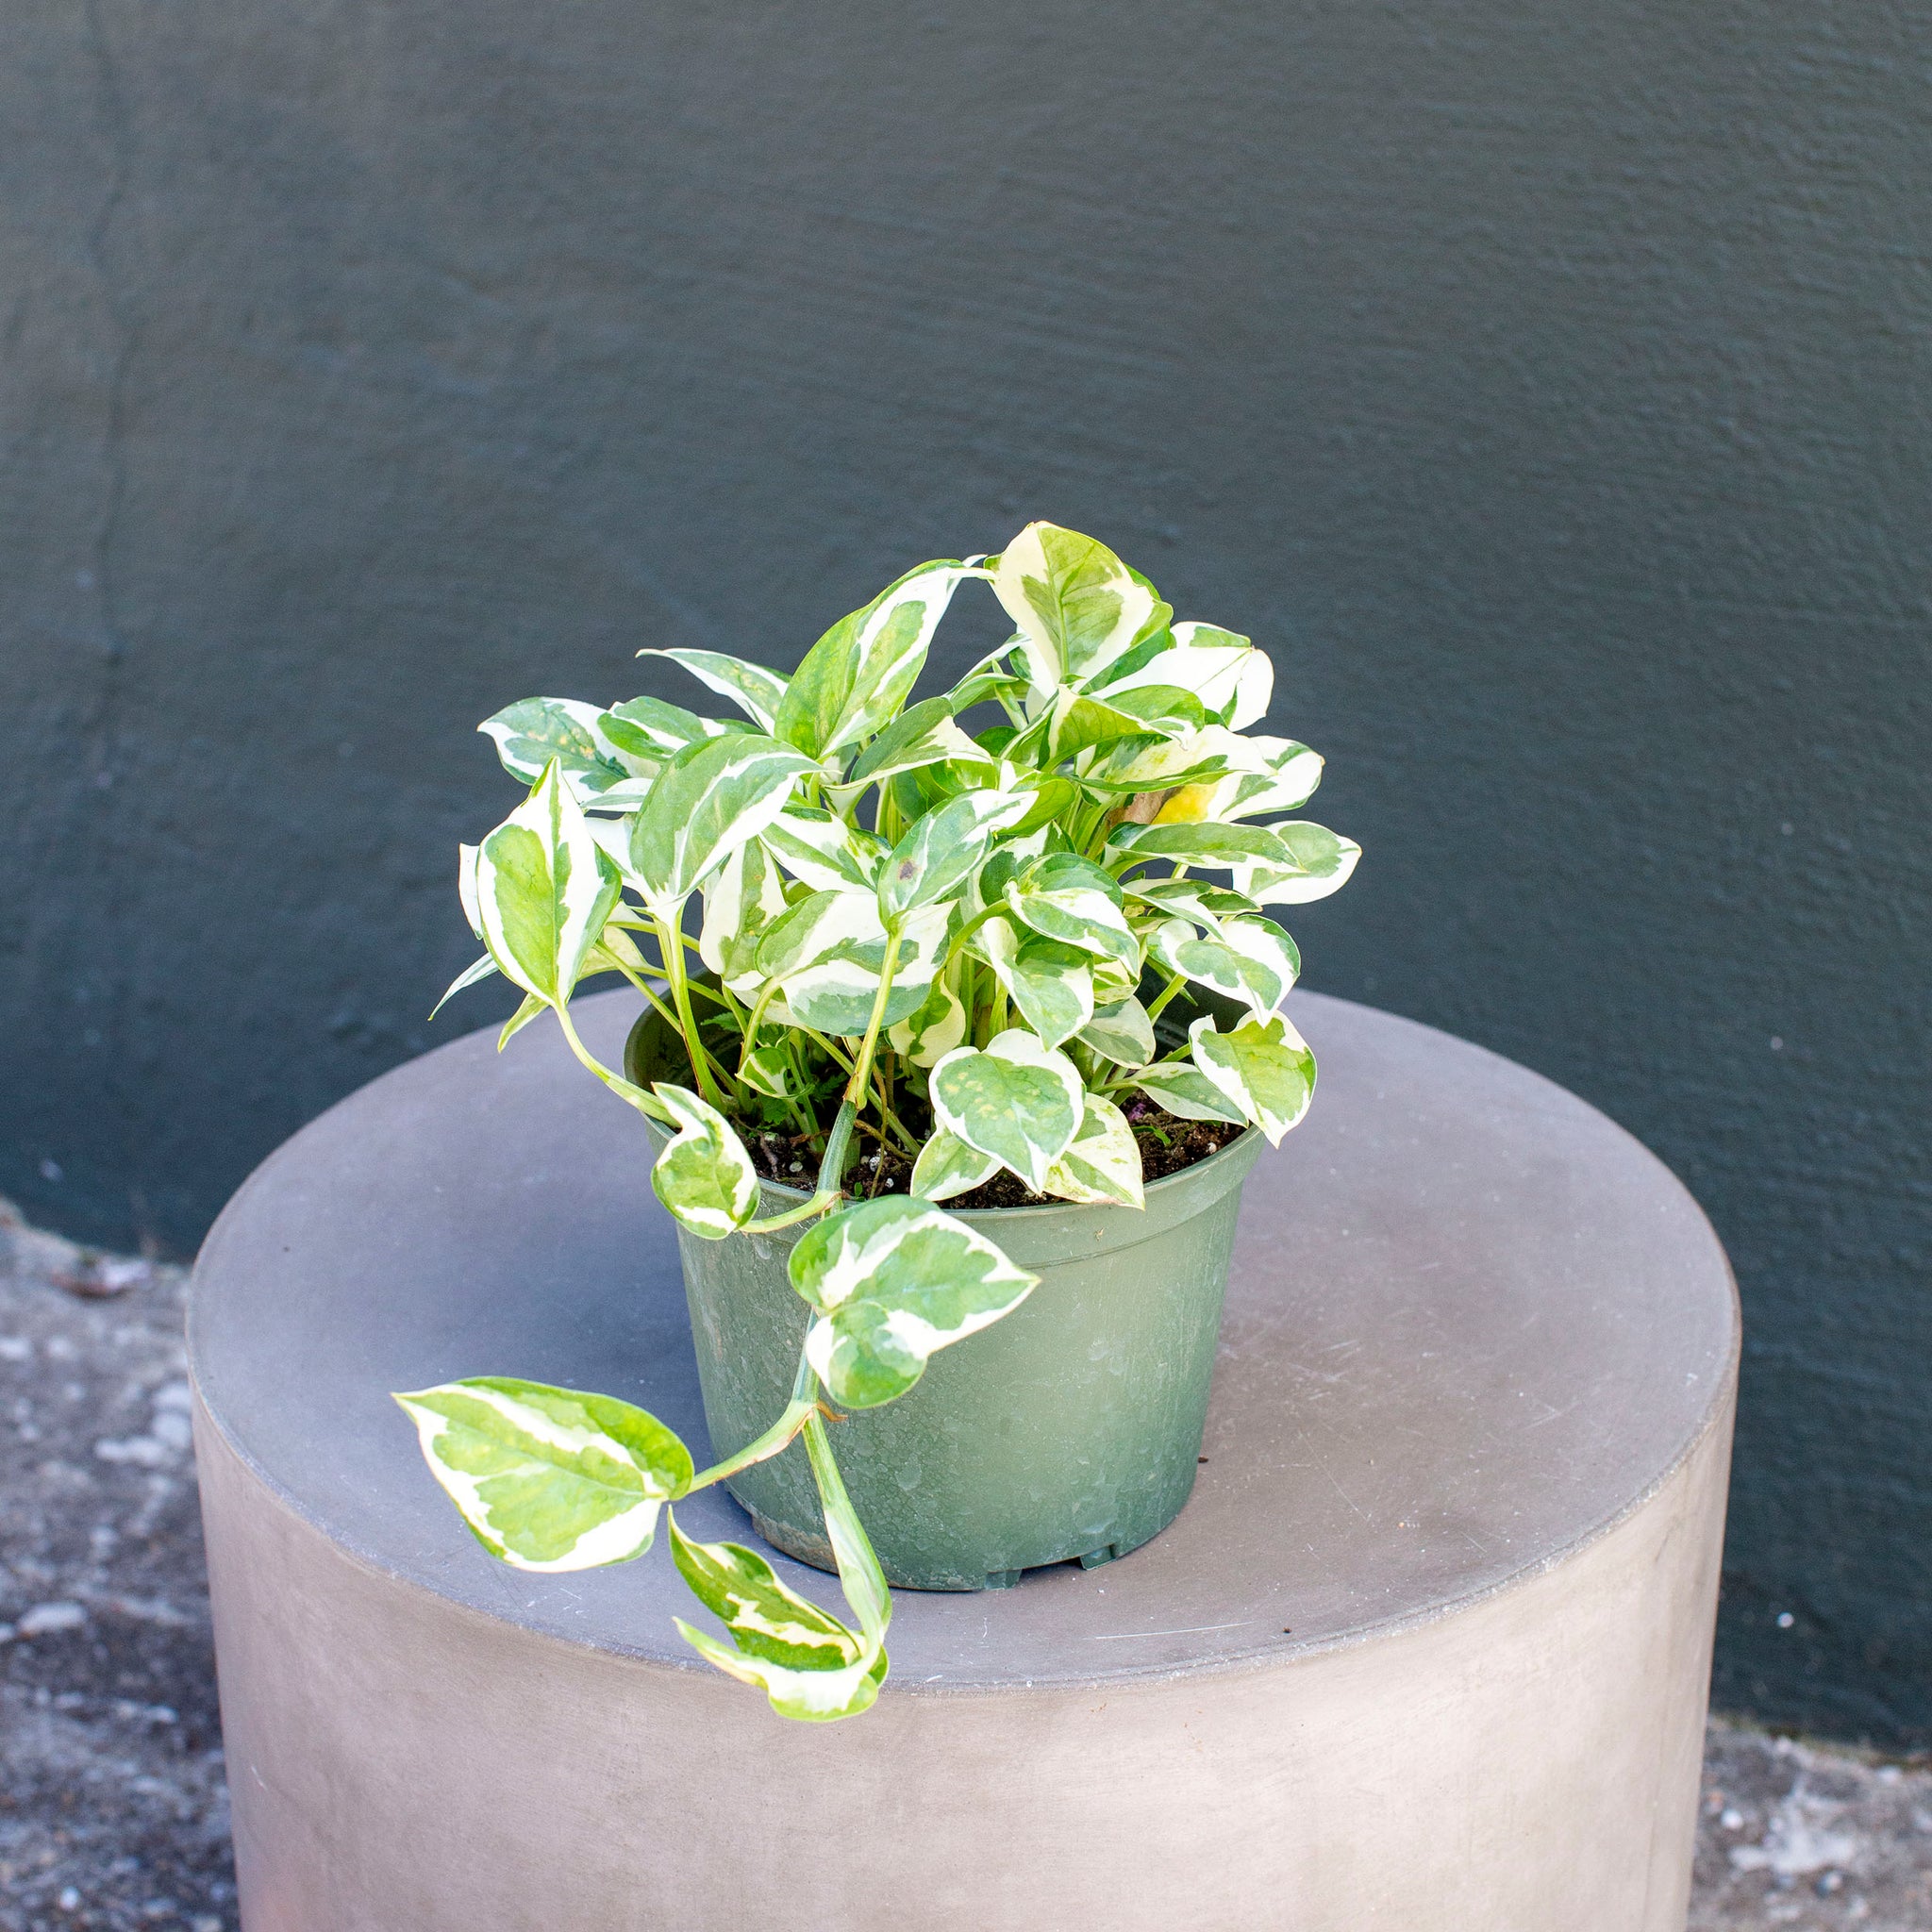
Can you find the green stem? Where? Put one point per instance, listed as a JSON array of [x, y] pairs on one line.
[[855, 1087], [825, 1196], [644, 1103], [680, 994], [967, 931], [1161, 1005]]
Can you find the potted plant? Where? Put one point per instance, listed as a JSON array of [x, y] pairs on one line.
[[933, 965]]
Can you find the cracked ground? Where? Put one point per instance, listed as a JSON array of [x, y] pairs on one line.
[[113, 1809]]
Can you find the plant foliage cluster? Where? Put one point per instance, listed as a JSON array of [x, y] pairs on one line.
[[960, 942]]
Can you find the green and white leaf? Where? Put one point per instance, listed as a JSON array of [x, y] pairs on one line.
[[1193, 899], [1051, 984], [704, 1177], [893, 1282], [1249, 960], [1066, 906], [944, 848], [481, 969], [1103, 1165], [934, 1031], [1225, 672], [1183, 1089], [1316, 862], [804, 1658], [1155, 762], [853, 681], [1121, 1033], [766, 1070], [549, 1479], [466, 887], [1209, 845], [757, 692], [924, 736], [1017, 1100], [543, 890], [534, 732], [648, 732], [742, 898], [1264, 1068], [946, 1166], [1077, 606], [712, 798], [1265, 775], [529, 1010], [818, 848]]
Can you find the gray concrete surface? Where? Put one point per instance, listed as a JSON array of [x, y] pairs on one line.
[[112, 1802], [1429, 1644]]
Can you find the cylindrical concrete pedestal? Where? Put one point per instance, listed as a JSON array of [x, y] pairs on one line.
[[1426, 1651]]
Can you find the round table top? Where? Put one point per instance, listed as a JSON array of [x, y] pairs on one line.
[[1471, 1324]]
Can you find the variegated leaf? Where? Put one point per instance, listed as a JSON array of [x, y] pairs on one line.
[[704, 1177], [535, 732], [1051, 984], [1250, 959], [1225, 672], [893, 1282], [803, 1657], [1156, 762], [549, 1479], [1316, 863], [743, 897], [818, 849], [946, 1166], [1263, 1067], [529, 1010], [1017, 1100], [1183, 1089], [543, 890], [944, 848], [1121, 1033], [466, 886], [757, 692], [766, 1071], [651, 732], [1268, 775], [1102, 1164], [924, 736], [1063, 903], [710, 798], [481, 969], [1193, 899], [935, 1031], [1078, 607], [855, 678], [1209, 845]]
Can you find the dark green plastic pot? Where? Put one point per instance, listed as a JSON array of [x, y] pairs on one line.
[[1069, 1430]]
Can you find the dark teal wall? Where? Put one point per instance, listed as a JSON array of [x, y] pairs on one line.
[[1545, 384]]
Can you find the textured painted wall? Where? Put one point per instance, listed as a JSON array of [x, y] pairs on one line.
[[1545, 384]]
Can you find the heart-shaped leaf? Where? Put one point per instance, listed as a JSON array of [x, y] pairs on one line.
[[894, 1281], [1250, 959], [1314, 863], [704, 1177], [549, 1478], [1051, 984], [543, 890], [1121, 1033], [1077, 606], [854, 679], [1183, 1089], [945, 847], [935, 1031], [1102, 1164], [1070, 907], [1017, 1100], [710, 798], [757, 692], [809, 1665], [1264, 1068], [946, 1166]]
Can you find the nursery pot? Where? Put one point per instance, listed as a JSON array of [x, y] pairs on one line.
[[1070, 1431]]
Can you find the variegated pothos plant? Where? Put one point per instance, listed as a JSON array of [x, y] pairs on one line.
[[900, 918]]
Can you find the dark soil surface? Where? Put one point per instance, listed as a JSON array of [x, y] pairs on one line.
[[113, 1809], [1168, 1144]]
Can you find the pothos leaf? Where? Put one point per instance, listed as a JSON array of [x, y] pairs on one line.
[[1102, 1164], [546, 1478], [946, 1166], [543, 890], [935, 1031], [894, 1281], [1017, 1100], [1183, 1089], [704, 1177], [945, 847], [1051, 984], [1077, 606], [743, 897], [854, 680], [1264, 1068], [1315, 863], [1122, 1033], [711, 797], [757, 692]]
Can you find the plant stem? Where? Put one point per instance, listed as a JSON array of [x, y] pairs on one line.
[[1161, 1005], [855, 1088], [826, 1193], [644, 1103], [700, 1059]]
